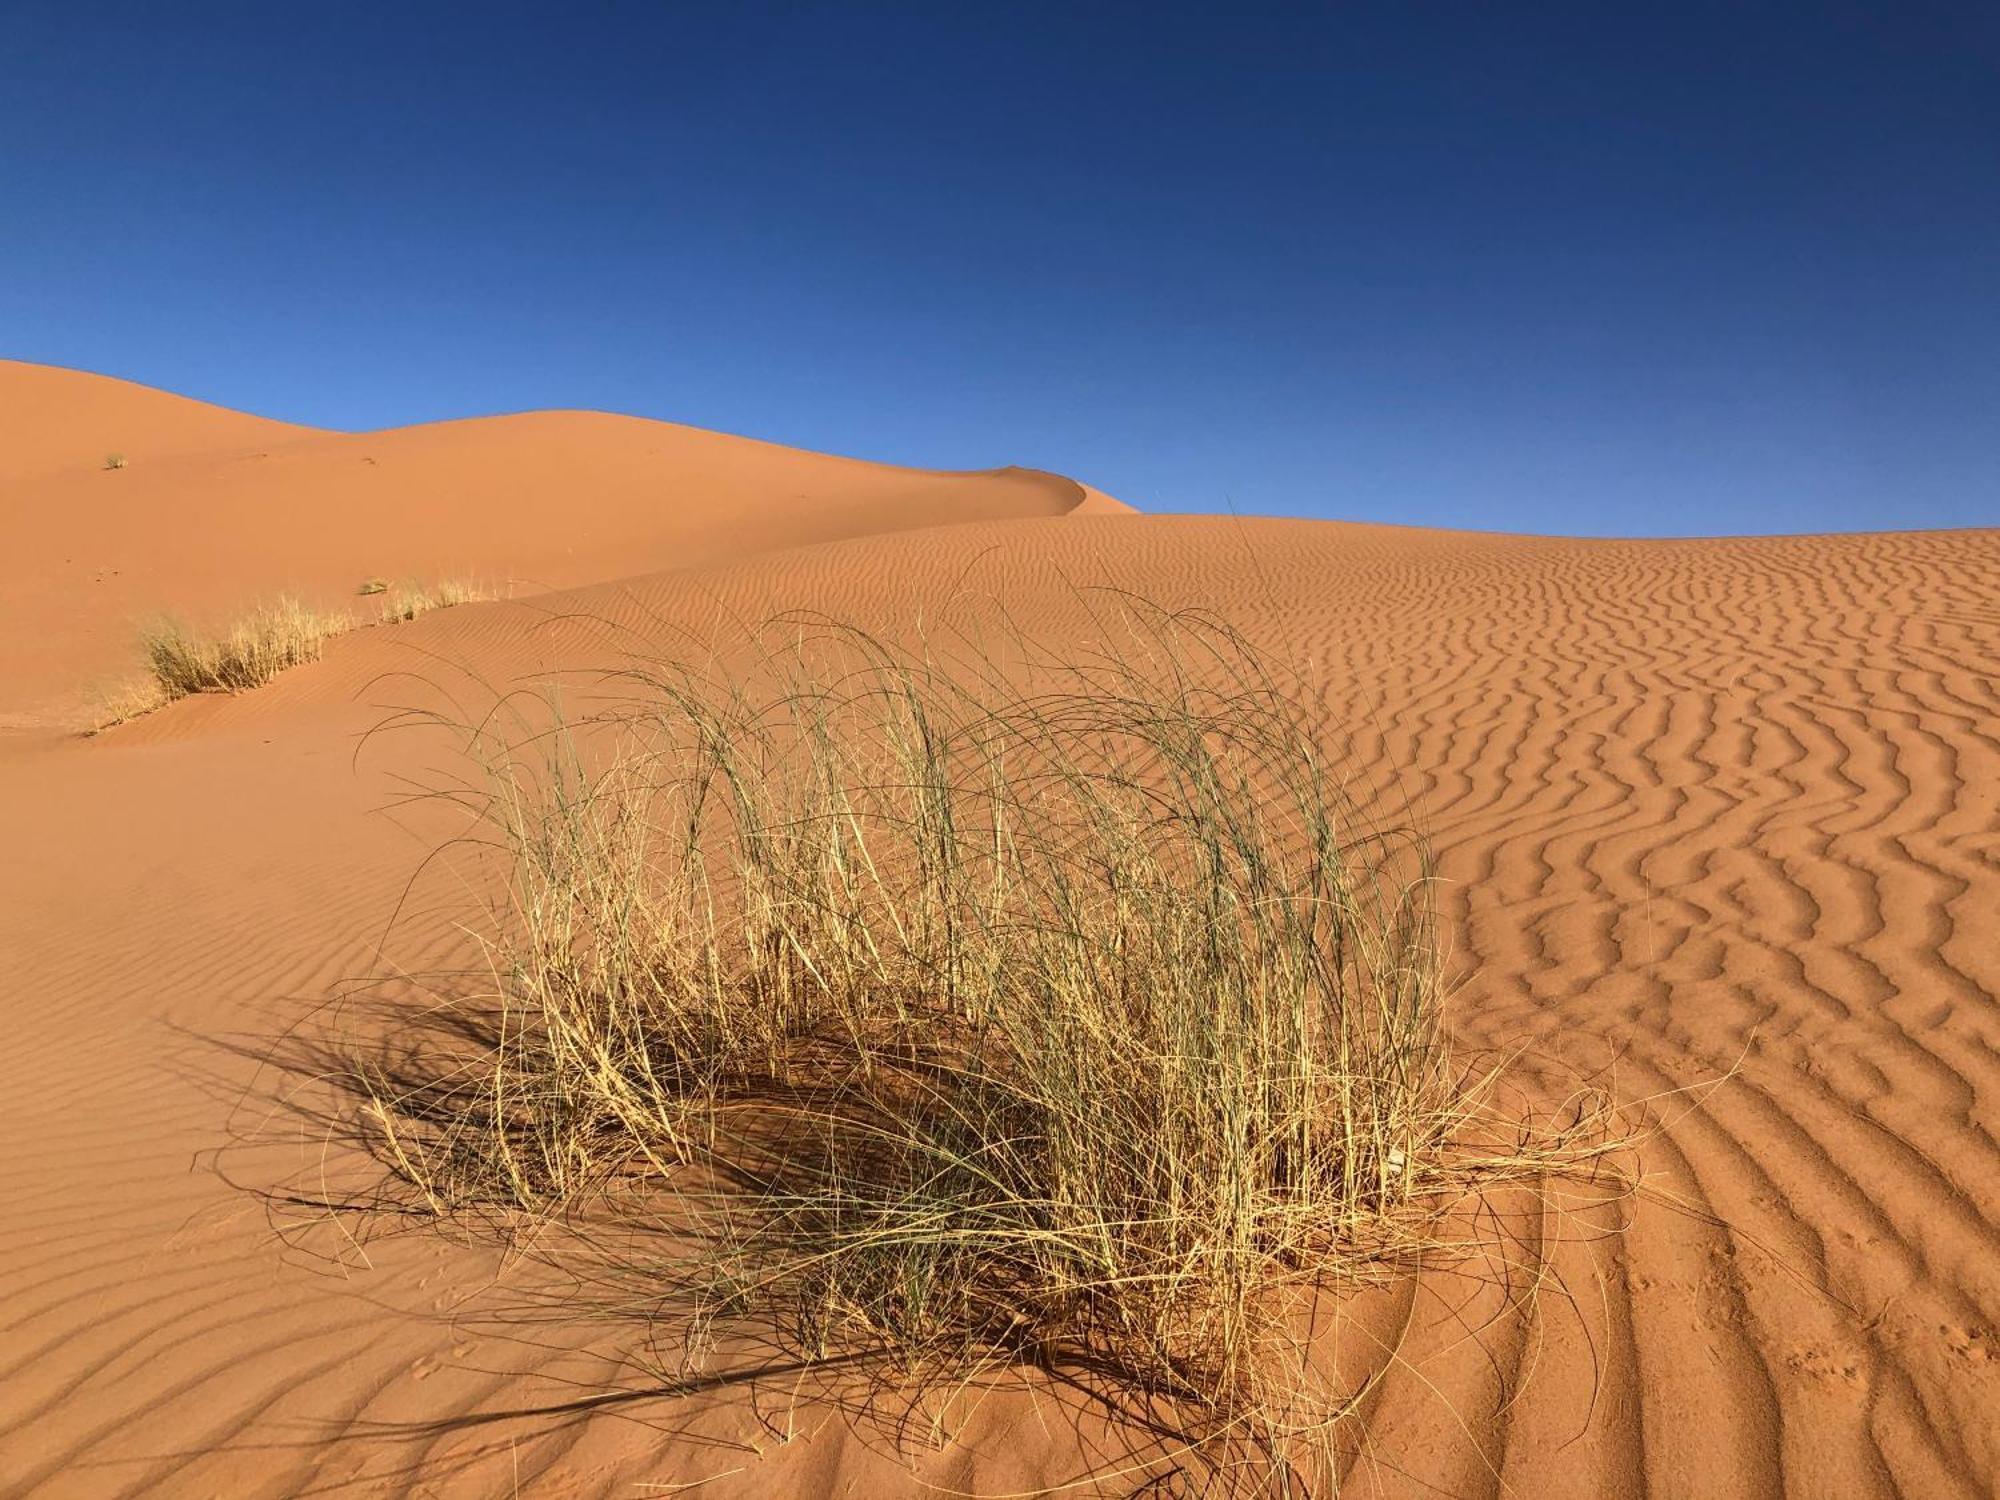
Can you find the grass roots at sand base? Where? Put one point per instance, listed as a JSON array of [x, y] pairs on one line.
[[956, 1015]]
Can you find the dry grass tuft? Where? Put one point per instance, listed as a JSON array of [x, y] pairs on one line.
[[251, 652], [124, 701], [407, 601], [961, 1012], [256, 648]]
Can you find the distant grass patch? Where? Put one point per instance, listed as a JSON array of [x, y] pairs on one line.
[[251, 652], [124, 701], [182, 660], [373, 586], [409, 600], [259, 647], [957, 1013], [114, 460]]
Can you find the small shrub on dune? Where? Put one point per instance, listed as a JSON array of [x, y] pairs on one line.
[[251, 652], [953, 1014]]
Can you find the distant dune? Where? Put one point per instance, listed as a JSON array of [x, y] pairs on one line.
[[215, 508], [1705, 811]]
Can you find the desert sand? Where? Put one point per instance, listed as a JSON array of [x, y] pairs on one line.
[[1717, 820]]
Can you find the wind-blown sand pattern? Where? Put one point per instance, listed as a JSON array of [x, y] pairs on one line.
[[1722, 817]]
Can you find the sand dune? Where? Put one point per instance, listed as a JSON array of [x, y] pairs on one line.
[[54, 421], [215, 509], [1722, 816]]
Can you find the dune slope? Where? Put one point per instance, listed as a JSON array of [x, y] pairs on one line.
[[1718, 821], [216, 510]]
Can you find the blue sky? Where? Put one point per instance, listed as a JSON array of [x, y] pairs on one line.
[[1586, 269]]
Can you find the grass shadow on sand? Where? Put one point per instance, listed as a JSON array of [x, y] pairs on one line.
[[915, 1024]]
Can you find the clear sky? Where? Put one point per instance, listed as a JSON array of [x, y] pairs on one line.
[[1608, 269]]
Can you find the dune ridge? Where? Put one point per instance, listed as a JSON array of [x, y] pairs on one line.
[[1720, 817], [217, 509]]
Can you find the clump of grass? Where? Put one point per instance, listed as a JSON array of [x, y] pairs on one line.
[[255, 649], [124, 701], [410, 600], [284, 633], [373, 586], [114, 460], [999, 1007]]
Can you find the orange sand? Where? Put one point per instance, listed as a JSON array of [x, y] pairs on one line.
[[1698, 804]]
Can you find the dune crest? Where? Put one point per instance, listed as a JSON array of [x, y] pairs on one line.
[[216, 509], [54, 420]]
